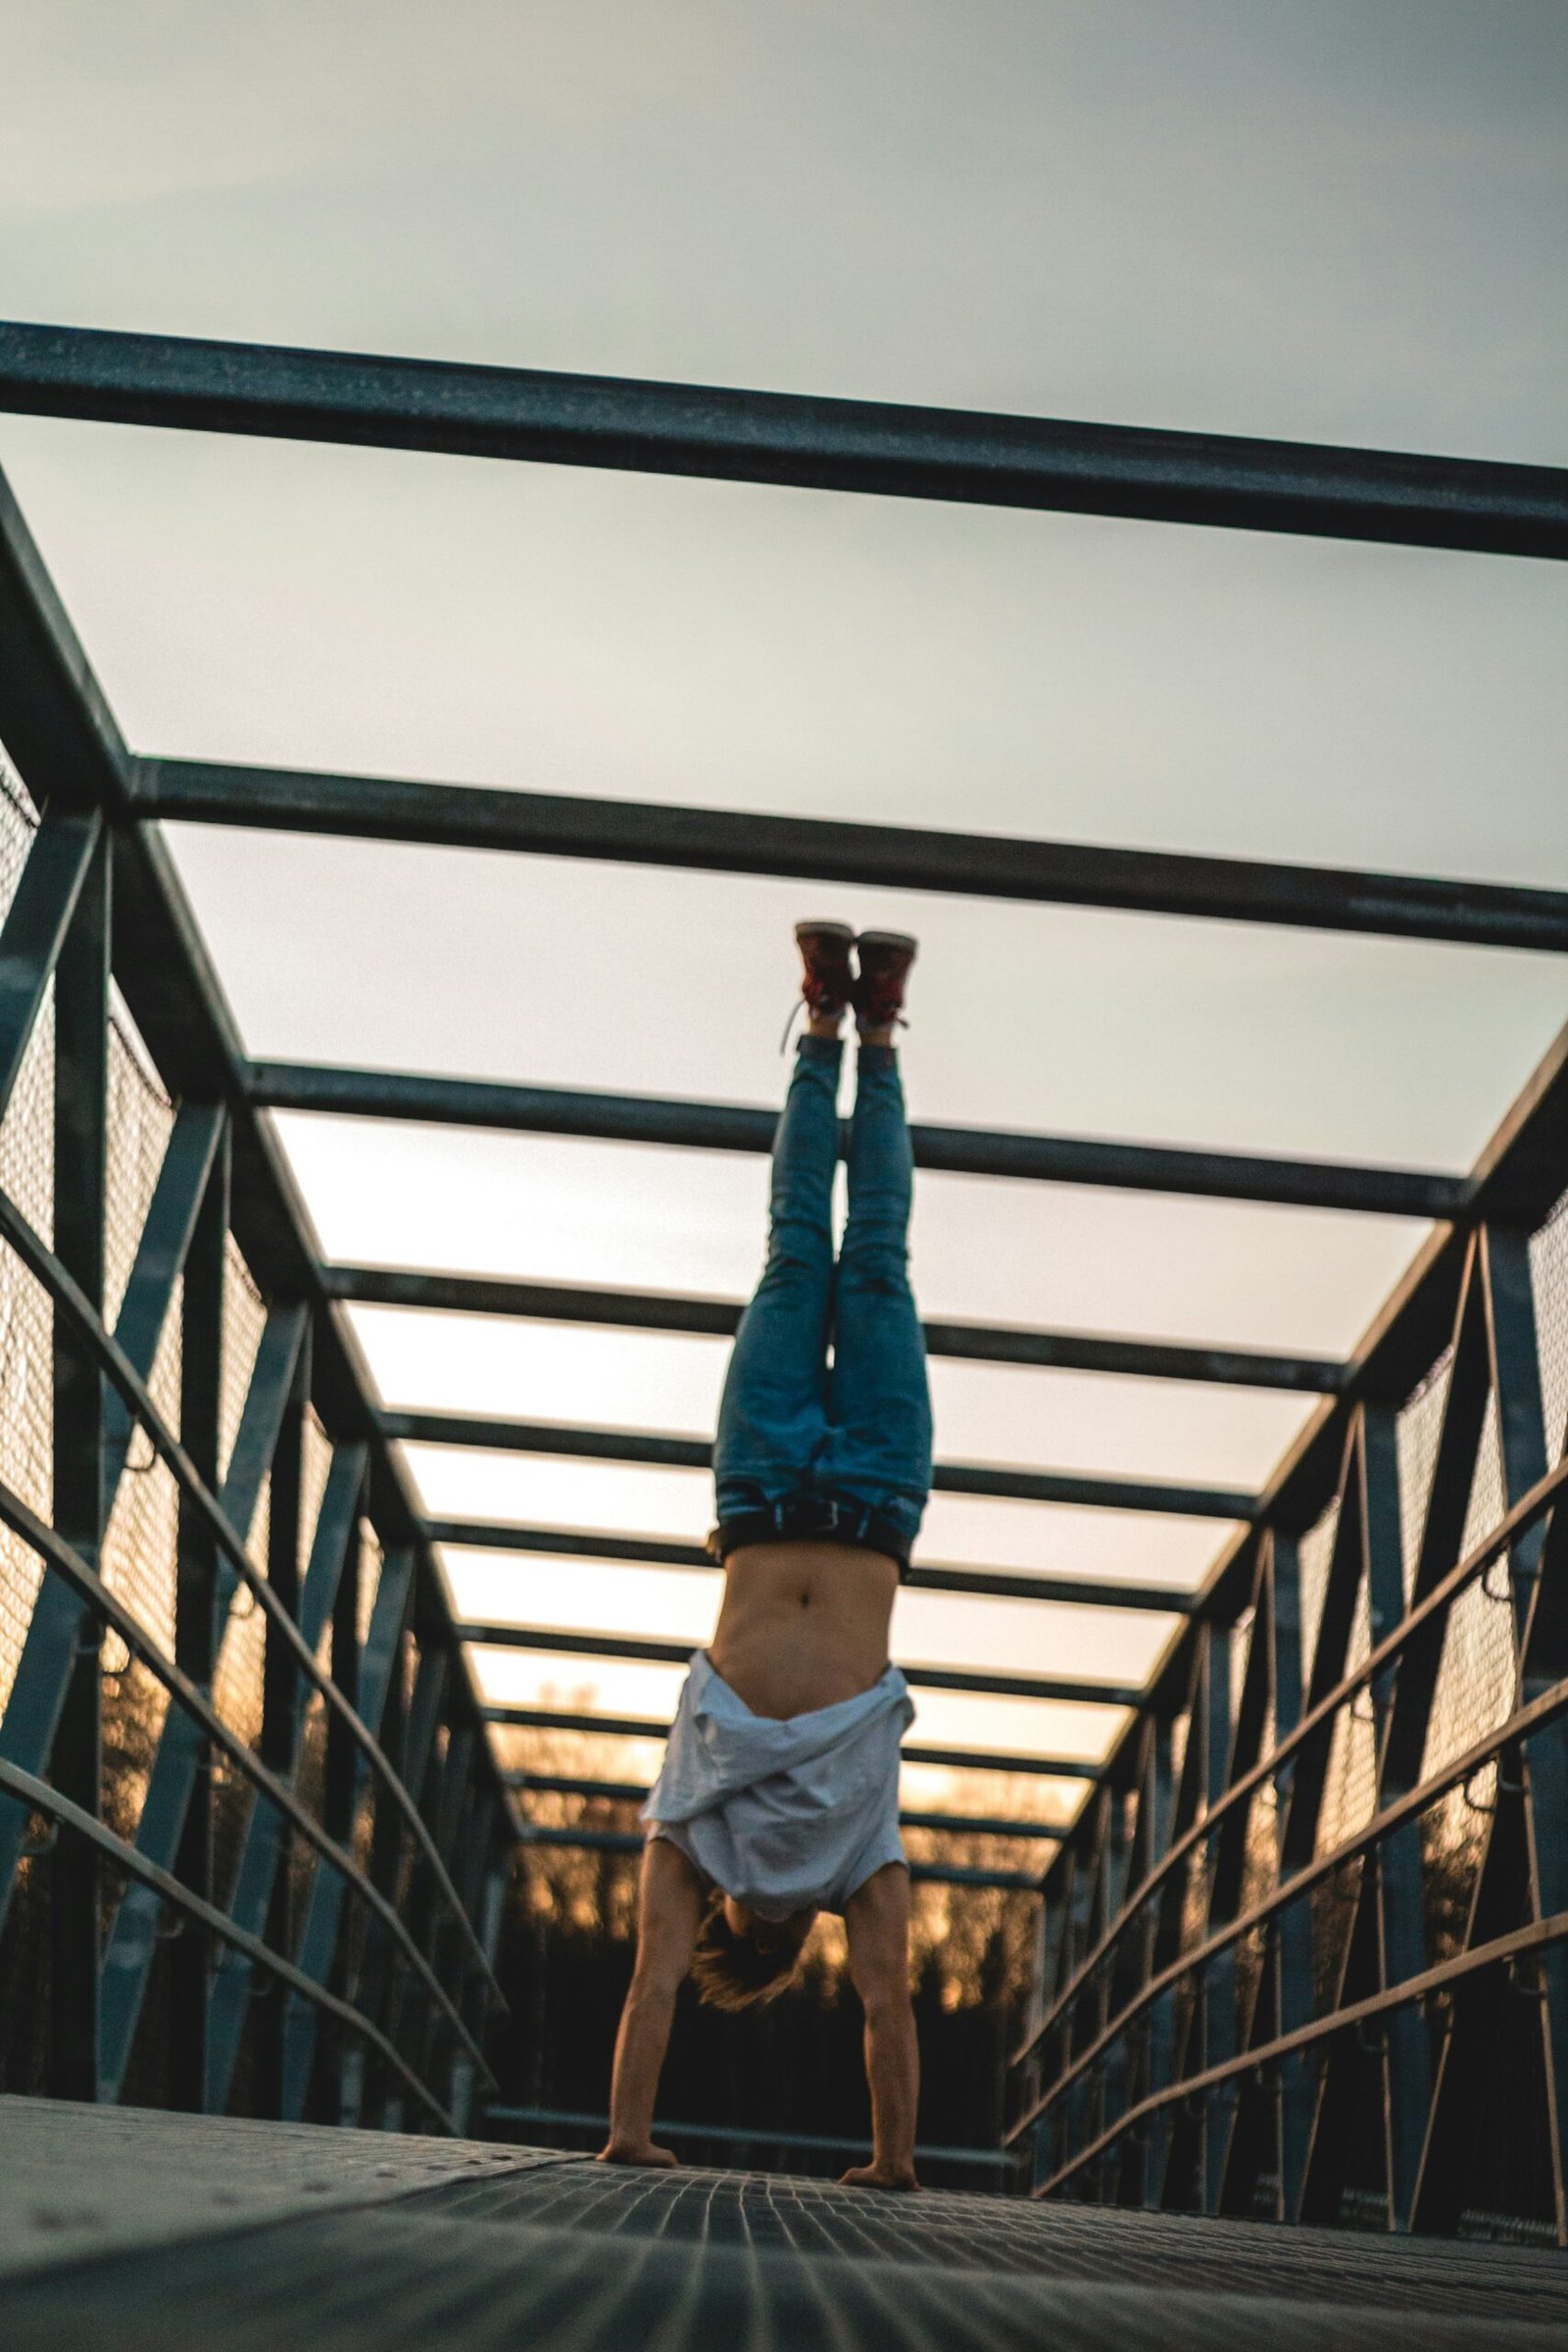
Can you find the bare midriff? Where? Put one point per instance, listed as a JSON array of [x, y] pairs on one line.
[[803, 1625]]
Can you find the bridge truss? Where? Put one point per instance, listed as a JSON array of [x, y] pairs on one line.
[[254, 1827]]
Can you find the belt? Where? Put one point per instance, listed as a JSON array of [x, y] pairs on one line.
[[808, 1518]]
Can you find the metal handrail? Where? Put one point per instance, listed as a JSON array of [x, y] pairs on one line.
[[1525, 1721], [1529, 1509], [67, 1293], [42, 1797], [1535, 1936], [924, 1576], [1067, 1690], [39, 1536]]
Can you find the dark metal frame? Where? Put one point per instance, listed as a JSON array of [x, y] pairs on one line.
[[1152, 2073], [97, 899], [1155, 2074]]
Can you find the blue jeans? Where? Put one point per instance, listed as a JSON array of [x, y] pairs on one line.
[[788, 1423]]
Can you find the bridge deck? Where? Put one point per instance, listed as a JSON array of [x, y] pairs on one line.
[[131, 2230]]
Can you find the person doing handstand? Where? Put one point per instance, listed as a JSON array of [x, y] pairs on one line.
[[779, 1796]]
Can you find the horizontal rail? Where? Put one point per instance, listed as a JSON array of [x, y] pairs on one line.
[[72, 1302], [970, 1343], [956, 1150], [1538, 1936], [1547, 1709], [633, 1793], [648, 1727], [1384, 1653], [645, 1551], [62, 1558], [923, 1874], [975, 1683], [664, 1451], [981, 866], [803, 440], [40, 1797], [737, 2136]]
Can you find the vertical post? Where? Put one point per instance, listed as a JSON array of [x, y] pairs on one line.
[[1170, 1903], [280, 1709], [1293, 1940], [80, 1140], [1214, 1995], [339, 1799], [200, 1413]]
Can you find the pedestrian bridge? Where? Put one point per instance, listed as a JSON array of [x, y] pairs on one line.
[[255, 2235], [1292, 2063]]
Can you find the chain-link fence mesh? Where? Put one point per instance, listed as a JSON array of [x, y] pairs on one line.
[[26, 1320], [138, 1560]]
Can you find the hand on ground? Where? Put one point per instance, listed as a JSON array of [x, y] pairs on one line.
[[624, 2151], [880, 2176]]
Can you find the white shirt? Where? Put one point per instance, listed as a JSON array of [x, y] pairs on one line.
[[787, 1814]]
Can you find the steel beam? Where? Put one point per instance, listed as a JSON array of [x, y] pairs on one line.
[[80, 1487], [195, 1141], [956, 1150], [871, 447], [193, 1234], [584, 1303], [35, 927], [669, 1453], [633, 1793], [639, 1551], [921, 1677], [322, 1933], [882, 856], [931, 1874], [263, 1845], [643, 1727]]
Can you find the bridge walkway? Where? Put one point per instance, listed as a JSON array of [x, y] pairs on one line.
[[140, 2232]]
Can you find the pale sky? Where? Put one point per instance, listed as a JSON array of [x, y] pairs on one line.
[[1342, 223]]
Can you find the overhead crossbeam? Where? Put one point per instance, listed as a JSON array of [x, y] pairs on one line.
[[655, 1450], [983, 865], [636, 1793], [956, 1150], [930, 1874], [970, 1343], [1070, 1690], [811, 443], [643, 1727], [926, 1576]]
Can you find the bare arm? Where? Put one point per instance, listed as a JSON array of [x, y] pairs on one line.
[[670, 1914], [878, 1921]]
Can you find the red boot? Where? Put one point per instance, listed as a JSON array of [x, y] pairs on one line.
[[885, 957], [827, 983]]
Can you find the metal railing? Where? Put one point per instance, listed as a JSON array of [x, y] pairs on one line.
[[1320, 1880], [272, 1829]]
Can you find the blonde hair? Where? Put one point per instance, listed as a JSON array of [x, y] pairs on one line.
[[733, 1973]]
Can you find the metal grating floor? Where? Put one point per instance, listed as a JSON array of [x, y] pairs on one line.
[[512, 2250]]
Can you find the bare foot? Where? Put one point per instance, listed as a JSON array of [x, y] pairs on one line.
[[879, 2176], [621, 2151]]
